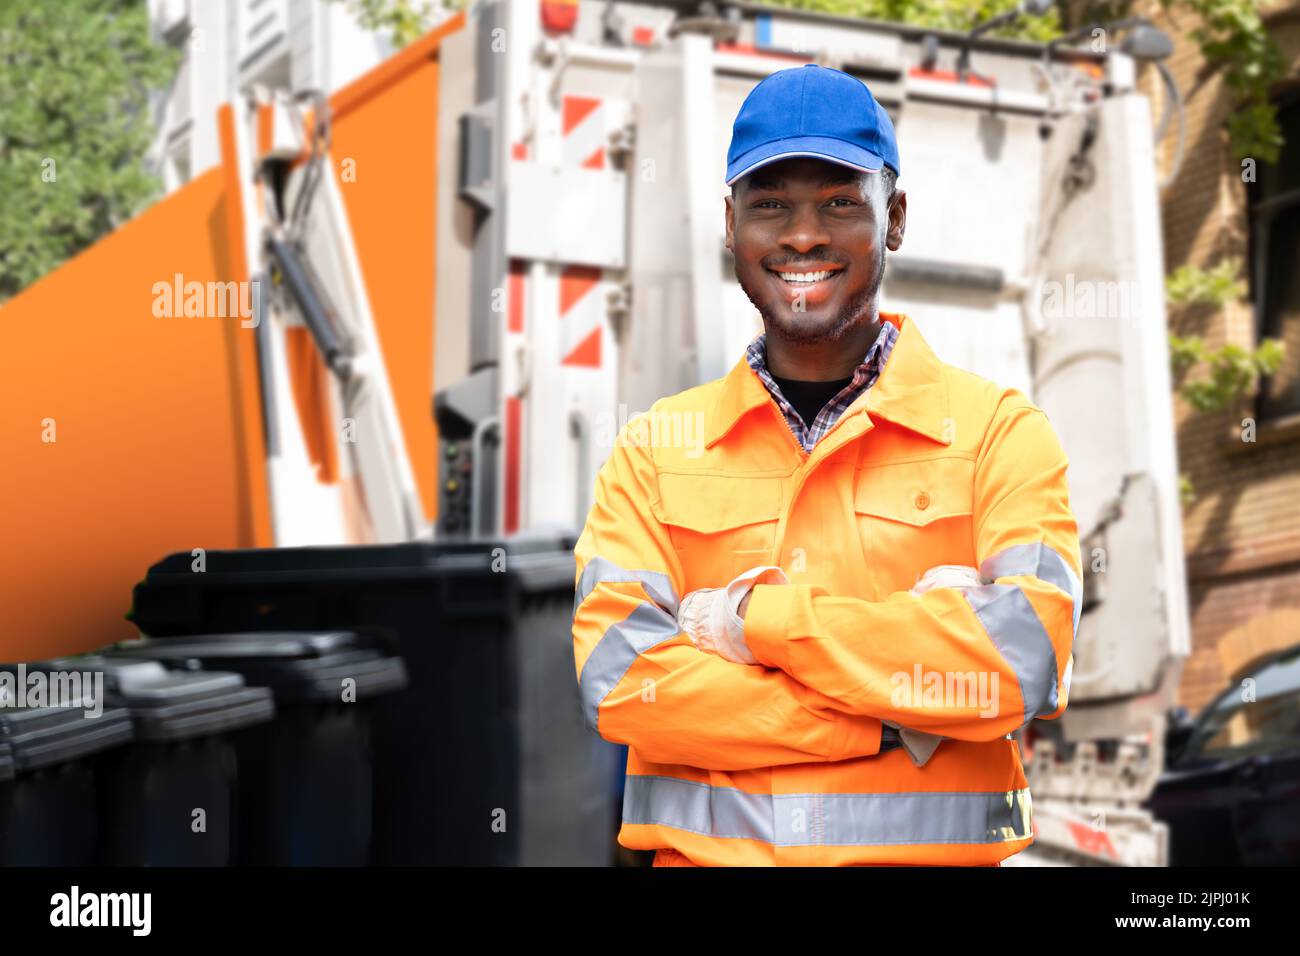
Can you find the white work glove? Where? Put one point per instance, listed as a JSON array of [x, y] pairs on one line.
[[921, 746], [948, 576], [710, 616]]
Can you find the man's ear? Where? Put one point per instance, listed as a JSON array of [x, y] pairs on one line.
[[731, 219], [897, 221]]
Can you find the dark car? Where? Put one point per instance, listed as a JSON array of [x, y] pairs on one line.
[[1230, 792]]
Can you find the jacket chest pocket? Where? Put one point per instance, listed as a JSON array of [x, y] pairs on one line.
[[720, 526], [913, 516]]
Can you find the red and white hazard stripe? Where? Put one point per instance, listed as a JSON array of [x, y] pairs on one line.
[[582, 316], [583, 129], [582, 308]]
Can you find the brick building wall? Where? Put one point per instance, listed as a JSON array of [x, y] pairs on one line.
[[1242, 532]]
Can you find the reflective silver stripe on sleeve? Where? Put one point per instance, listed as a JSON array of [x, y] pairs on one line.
[[623, 641], [601, 571], [1010, 622], [1041, 561], [828, 819], [617, 650]]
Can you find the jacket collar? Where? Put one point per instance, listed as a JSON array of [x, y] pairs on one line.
[[911, 390]]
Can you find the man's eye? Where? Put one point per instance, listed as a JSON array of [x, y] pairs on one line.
[[762, 204], [844, 199]]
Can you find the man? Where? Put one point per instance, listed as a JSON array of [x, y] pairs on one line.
[[818, 633]]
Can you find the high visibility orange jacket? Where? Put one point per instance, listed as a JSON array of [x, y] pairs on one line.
[[779, 762]]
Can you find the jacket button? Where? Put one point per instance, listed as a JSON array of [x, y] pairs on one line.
[[922, 501]]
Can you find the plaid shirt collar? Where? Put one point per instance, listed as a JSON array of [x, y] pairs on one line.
[[864, 376]]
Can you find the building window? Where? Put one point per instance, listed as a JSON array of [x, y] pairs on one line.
[[1274, 257]]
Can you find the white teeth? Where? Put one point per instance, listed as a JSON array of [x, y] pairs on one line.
[[804, 276]]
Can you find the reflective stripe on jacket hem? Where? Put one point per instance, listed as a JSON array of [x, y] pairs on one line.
[[827, 819]]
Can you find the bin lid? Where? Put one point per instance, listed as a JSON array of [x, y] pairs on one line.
[[532, 561], [251, 644], [168, 705], [295, 665], [39, 737], [206, 716]]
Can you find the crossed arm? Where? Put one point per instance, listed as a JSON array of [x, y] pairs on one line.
[[643, 682], [825, 688]]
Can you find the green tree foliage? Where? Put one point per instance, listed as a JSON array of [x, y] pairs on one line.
[[403, 20], [1233, 371], [1191, 285], [1233, 39], [75, 78], [958, 15]]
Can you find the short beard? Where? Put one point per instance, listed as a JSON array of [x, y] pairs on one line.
[[846, 319]]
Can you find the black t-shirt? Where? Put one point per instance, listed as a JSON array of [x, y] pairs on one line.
[[809, 398]]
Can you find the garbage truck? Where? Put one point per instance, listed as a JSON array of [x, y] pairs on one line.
[[421, 307]]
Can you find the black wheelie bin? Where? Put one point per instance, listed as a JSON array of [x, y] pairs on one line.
[[183, 762], [306, 778], [169, 798], [48, 793], [485, 758]]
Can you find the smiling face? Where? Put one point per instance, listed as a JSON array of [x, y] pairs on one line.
[[809, 240]]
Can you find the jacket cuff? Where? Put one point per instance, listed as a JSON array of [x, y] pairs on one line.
[[920, 746], [741, 585], [856, 736], [765, 624]]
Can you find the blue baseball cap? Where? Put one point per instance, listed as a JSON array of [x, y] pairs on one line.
[[811, 111]]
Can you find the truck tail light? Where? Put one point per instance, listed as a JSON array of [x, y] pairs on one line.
[[559, 16]]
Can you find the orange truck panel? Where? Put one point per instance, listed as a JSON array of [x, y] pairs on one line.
[[156, 422]]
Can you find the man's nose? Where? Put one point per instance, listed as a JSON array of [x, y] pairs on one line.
[[804, 230]]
